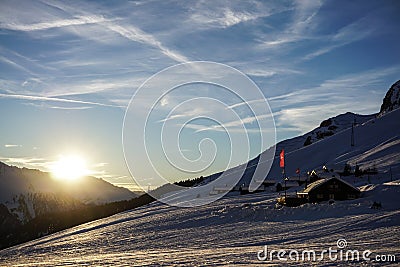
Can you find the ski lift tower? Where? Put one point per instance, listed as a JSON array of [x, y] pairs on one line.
[[352, 133]]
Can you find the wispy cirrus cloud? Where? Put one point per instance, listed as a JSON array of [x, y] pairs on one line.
[[304, 30], [266, 72], [11, 145], [341, 86], [50, 105], [300, 28], [231, 126], [88, 87], [32, 162], [15, 64], [357, 92], [223, 18], [230, 13], [350, 33], [133, 33], [85, 92], [245, 103], [196, 112], [79, 17], [53, 99], [58, 23]]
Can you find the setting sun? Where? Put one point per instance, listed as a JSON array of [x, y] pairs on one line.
[[69, 168]]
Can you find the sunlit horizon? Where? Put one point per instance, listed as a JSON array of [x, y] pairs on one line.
[[69, 168]]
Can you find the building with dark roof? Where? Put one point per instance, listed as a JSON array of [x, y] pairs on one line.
[[330, 188]]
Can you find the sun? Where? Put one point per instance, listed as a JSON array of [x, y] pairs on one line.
[[69, 168]]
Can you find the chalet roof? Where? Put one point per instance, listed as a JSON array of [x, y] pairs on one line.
[[314, 185], [296, 178], [289, 183], [318, 183]]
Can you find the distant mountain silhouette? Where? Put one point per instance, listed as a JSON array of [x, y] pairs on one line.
[[32, 203]]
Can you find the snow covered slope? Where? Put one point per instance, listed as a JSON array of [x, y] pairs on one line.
[[376, 137], [228, 232], [377, 145], [326, 129]]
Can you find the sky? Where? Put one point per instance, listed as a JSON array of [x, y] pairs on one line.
[[68, 70]]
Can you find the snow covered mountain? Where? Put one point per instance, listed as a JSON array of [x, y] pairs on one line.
[[392, 99], [376, 142], [328, 128], [28, 193], [376, 145]]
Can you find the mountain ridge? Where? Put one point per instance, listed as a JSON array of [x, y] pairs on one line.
[[391, 101], [29, 192]]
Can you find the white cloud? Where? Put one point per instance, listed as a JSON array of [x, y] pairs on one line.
[[135, 34], [261, 73], [164, 101], [11, 145], [232, 126], [304, 109], [246, 103], [336, 89], [81, 17], [267, 72], [232, 18], [53, 99], [188, 113], [300, 28], [305, 12], [350, 33], [223, 18], [300, 120], [87, 87], [15, 65], [25, 162], [70, 108], [59, 23]]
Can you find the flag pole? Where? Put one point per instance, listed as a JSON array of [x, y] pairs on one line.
[[282, 165], [285, 181]]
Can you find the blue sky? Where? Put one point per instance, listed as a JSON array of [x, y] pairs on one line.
[[68, 69]]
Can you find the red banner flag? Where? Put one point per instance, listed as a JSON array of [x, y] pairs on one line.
[[297, 171], [282, 159]]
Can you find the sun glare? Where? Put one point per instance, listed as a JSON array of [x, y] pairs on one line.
[[69, 168]]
